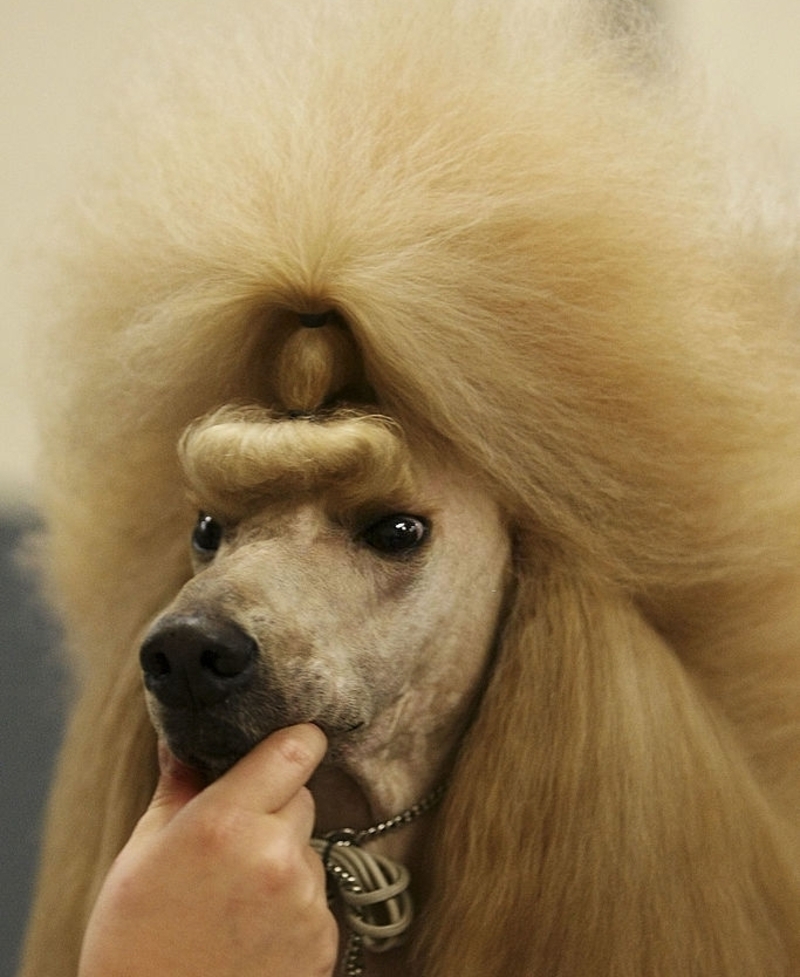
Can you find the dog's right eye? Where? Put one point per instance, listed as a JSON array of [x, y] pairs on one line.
[[207, 536], [397, 534]]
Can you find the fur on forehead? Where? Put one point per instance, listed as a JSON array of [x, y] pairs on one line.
[[238, 458], [513, 280]]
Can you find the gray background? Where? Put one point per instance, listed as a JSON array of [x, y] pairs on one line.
[[31, 702]]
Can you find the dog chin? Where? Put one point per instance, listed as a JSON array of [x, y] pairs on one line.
[[213, 755], [210, 768]]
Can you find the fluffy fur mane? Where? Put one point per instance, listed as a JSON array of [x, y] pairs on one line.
[[532, 240]]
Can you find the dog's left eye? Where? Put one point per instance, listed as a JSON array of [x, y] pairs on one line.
[[396, 534], [207, 536]]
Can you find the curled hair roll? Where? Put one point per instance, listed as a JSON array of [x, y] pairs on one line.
[[237, 458]]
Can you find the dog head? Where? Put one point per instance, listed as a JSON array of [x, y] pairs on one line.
[[338, 581]]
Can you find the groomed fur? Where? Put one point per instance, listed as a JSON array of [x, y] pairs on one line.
[[236, 459], [523, 222]]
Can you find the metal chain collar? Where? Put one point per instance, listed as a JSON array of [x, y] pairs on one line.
[[373, 889]]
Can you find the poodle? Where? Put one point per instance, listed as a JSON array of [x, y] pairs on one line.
[[465, 320]]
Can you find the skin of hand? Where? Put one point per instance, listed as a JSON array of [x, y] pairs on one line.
[[220, 881]]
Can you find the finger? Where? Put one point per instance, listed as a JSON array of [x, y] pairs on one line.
[[270, 775], [299, 814]]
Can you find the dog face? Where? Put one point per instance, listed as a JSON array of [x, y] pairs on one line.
[[375, 623]]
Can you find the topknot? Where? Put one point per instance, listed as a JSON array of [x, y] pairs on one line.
[[317, 364]]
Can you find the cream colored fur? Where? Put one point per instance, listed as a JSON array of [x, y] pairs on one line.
[[551, 275]]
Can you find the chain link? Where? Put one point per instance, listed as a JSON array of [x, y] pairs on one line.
[[399, 820]]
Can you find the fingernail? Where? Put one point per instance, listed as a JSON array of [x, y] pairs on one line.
[[309, 738]]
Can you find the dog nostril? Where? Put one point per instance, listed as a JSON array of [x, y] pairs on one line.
[[196, 662], [158, 664]]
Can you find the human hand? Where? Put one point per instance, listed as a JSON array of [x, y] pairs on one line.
[[222, 880]]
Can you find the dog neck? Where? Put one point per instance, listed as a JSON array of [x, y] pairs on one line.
[[343, 805], [375, 860]]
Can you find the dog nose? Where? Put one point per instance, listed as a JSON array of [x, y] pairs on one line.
[[196, 661]]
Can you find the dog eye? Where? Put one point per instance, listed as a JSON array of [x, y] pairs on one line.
[[396, 534], [207, 536]]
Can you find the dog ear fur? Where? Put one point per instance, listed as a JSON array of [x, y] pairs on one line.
[[631, 785]]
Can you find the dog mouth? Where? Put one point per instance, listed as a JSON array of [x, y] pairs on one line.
[[213, 747], [213, 695]]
